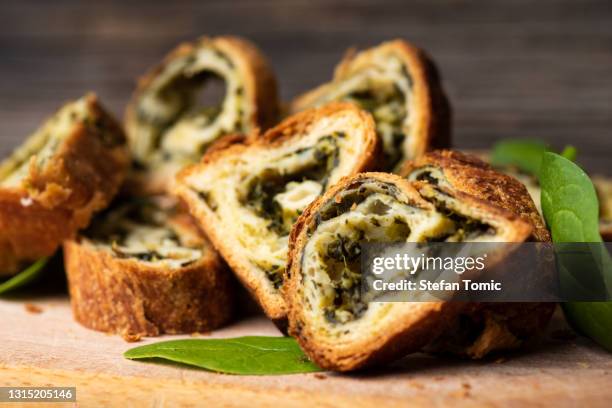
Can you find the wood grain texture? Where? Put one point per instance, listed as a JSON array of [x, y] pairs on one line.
[[512, 68], [559, 371]]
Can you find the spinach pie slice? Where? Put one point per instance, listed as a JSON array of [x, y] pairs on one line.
[[399, 85], [143, 268], [51, 185], [482, 328], [248, 195], [603, 187], [170, 122], [334, 323]]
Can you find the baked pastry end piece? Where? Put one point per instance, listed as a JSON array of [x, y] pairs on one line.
[[51, 185], [336, 326], [170, 124], [483, 328], [247, 197], [470, 175], [143, 269], [400, 86]]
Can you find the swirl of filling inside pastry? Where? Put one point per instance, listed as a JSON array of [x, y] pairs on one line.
[[142, 230], [50, 186], [151, 259], [167, 125], [334, 323], [248, 196], [399, 86]]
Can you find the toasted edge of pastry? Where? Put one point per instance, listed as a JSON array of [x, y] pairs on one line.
[[335, 327], [144, 269], [167, 130], [247, 196], [473, 176], [483, 328], [50, 186], [603, 187], [409, 125]]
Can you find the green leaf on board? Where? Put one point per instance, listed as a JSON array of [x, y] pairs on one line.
[[251, 355], [24, 277], [571, 210]]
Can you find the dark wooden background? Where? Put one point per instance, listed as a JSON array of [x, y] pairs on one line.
[[514, 68]]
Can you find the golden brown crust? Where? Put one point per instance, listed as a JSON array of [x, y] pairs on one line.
[[502, 325], [432, 126], [603, 187], [134, 299], [414, 324], [259, 83], [473, 176], [52, 203], [291, 128]]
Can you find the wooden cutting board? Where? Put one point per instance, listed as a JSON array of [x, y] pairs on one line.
[[42, 346]]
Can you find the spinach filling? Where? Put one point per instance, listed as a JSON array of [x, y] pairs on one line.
[[387, 104], [178, 101], [340, 256], [139, 229], [341, 263], [314, 164], [264, 188], [466, 228]]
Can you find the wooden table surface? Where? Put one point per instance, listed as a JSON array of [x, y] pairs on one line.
[[49, 348], [513, 68]]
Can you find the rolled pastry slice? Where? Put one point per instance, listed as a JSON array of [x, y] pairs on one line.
[[168, 127], [482, 328], [247, 196], [470, 175], [603, 187], [51, 185], [143, 269], [400, 86], [336, 326]]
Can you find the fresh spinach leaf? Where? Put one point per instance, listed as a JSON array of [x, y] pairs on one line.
[[571, 210], [526, 154], [569, 201], [252, 355], [24, 277]]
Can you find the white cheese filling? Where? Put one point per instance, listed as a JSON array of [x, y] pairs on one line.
[[378, 218], [171, 127], [226, 185]]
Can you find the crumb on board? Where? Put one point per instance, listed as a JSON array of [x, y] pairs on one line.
[[131, 338], [463, 392], [32, 308], [320, 376], [200, 334], [417, 385]]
